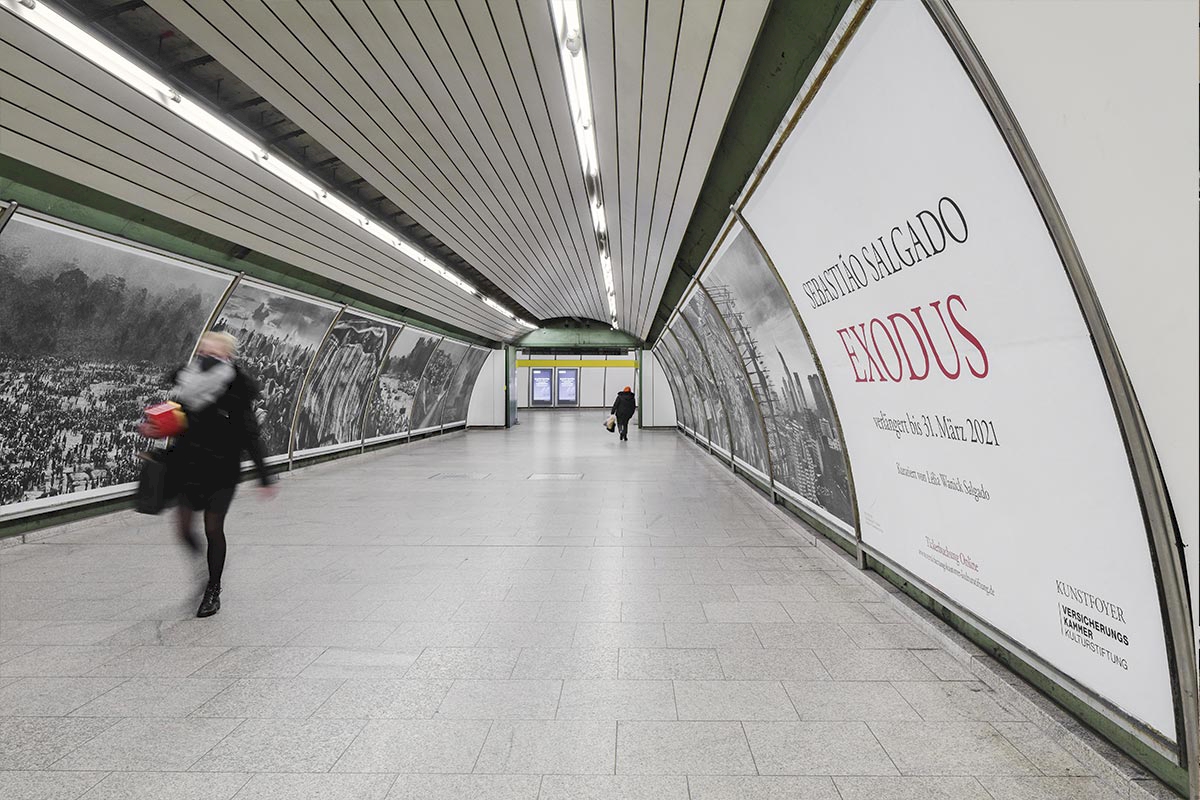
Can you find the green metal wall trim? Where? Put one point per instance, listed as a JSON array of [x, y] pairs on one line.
[[793, 36], [61, 516], [550, 338], [1171, 774], [61, 197]]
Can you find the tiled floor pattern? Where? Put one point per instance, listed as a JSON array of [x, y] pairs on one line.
[[430, 623]]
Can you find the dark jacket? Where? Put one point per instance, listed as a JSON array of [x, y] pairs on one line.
[[625, 405], [208, 455]]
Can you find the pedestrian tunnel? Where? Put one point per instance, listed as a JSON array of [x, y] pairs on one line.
[[903, 298]]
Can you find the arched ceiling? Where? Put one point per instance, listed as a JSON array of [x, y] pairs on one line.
[[449, 120], [457, 113]]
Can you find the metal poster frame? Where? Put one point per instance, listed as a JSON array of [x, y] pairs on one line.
[[291, 454], [442, 410], [770, 474], [855, 530], [424, 371], [356, 442], [235, 279], [557, 395], [1146, 473], [362, 418], [550, 404], [671, 343], [7, 214], [712, 376], [43, 506]]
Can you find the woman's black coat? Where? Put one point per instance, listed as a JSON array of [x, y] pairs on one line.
[[625, 405], [208, 455]]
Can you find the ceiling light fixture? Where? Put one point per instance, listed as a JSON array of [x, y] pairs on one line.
[[568, 29], [68, 33]]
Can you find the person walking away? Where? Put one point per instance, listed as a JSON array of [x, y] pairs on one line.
[[205, 461], [623, 410]]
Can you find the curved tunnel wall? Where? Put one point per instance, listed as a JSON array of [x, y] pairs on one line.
[[90, 324], [934, 386]]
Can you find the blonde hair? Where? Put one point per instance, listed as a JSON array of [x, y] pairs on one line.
[[226, 342]]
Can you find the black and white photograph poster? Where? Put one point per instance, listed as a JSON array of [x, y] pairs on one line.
[[390, 410], [682, 385], [746, 426], [458, 396], [278, 335], [434, 384], [668, 370], [806, 450], [986, 451], [78, 362], [702, 382], [346, 366]]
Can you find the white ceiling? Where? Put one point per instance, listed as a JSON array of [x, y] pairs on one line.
[[456, 110], [62, 114]]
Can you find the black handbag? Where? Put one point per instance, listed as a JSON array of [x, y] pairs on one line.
[[153, 492]]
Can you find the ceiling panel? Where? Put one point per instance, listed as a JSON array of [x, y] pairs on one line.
[[454, 110], [62, 114], [457, 112]]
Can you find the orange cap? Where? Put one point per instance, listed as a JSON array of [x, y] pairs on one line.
[[627, 389]]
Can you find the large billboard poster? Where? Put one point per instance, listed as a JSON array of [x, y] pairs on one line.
[[332, 408], [435, 384], [693, 405], [89, 328], [458, 398], [278, 335], [987, 458], [682, 410], [390, 410], [744, 421], [807, 453], [693, 417], [702, 381]]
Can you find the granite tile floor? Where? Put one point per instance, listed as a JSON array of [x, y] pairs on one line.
[[448, 620]]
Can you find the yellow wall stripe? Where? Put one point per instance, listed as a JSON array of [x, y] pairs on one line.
[[580, 362]]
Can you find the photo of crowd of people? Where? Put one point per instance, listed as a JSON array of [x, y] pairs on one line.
[[390, 409], [89, 328], [345, 369], [278, 335], [458, 394], [427, 406]]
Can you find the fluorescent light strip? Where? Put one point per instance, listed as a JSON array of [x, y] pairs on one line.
[[568, 28], [63, 30]]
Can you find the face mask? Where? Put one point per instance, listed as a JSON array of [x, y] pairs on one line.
[[207, 362]]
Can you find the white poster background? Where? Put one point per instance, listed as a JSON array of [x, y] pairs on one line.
[[897, 126]]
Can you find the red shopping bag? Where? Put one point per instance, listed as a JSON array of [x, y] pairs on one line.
[[163, 420]]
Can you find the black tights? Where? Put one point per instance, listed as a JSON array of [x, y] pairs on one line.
[[214, 532]]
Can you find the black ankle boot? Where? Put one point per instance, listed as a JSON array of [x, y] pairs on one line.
[[211, 603]]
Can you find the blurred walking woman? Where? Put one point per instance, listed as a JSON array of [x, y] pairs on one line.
[[205, 462]]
